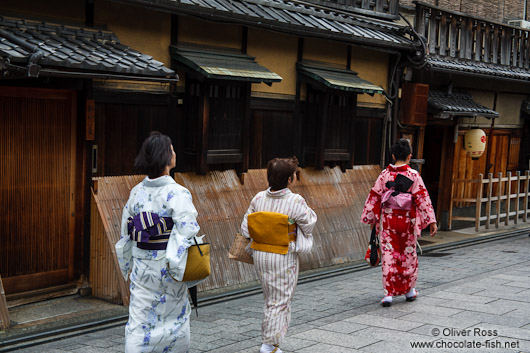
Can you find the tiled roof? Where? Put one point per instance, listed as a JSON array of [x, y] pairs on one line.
[[292, 16], [224, 65], [74, 48], [478, 68], [340, 79], [458, 103]]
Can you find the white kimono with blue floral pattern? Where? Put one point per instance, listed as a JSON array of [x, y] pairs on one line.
[[159, 310]]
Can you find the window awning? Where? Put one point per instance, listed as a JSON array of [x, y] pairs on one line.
[[339, 79], [445, 105], [224, 65], [36, 48]]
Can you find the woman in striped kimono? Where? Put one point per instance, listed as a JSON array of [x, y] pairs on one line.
[[403, 217], [158, 219], [278, 265]]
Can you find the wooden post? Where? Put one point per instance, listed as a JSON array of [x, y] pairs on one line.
[[321, 144], [433, 34], [451, 205], [508, 196], [518, 192], [488, 205], [204, 118], [4, 314], [478, 205], [526, 176], [498, 204], [443, 34]]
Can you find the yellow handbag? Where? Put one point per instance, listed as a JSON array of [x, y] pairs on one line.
[[271, 231], [198, 262]]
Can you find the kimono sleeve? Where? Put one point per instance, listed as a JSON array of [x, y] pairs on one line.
[[372, 207], [124, 245], [305, 219], [244, 224], [185, 227], [304, 216], [424, 209]]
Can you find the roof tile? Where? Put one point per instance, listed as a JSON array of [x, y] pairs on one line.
[[76, 47]]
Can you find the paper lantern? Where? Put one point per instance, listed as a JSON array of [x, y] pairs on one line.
[[475, 143]]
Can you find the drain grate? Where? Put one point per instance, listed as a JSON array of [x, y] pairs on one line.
[[437, 254], [510, 251]]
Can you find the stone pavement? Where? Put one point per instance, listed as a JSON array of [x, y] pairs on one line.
[[469, 296]]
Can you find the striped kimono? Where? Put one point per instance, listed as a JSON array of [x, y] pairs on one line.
[[278, 273], [400, 229]]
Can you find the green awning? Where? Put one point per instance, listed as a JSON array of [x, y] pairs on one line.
[[340, 79], [224, 65]]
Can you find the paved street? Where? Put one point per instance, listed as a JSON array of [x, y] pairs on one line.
[[475, 297]]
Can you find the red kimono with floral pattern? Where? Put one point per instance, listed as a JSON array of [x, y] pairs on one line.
[[400, 229]]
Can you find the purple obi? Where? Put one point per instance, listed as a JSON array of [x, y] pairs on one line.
[[149, 230], [401, 201]]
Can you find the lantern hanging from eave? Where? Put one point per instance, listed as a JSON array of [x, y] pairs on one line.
[[475, 143]]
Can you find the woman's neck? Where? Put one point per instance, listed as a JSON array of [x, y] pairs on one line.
[[399, 163]]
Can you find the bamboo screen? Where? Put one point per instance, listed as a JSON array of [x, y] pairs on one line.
[[221, 201], [36, 159]]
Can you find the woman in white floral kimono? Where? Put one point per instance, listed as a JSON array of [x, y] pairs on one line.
[[278, 268], [158, 225]]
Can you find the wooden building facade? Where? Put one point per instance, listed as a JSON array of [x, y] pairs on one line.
[[476, 75], [255, 81], [75, 101]]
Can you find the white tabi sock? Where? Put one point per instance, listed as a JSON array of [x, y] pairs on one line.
[[387, 299], [411, 293], [268, 348]]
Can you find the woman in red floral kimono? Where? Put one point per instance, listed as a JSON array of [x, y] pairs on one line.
[[403, 215]]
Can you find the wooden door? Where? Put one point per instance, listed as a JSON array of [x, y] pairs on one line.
[[37, 198]]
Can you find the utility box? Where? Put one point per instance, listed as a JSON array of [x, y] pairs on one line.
[[414, 98]]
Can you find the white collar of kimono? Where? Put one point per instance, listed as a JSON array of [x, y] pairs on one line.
[[278, 193], [157, 182]]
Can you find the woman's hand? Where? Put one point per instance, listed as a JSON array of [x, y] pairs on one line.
[[434, 229]]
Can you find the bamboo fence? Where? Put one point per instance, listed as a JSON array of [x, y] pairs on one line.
[[221, 201]]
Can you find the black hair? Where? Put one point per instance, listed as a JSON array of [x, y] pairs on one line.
[[155, 155], [279, 170], [401, 149]]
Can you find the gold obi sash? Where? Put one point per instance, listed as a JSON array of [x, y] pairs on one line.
[[271, 232]]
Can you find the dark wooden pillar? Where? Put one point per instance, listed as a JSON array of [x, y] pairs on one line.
[[246, 129], [351, 138], [202, 140], [298, 140], [321, 140]]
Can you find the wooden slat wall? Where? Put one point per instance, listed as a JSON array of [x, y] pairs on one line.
[[221, 201], [465, 168], [37, 156], [109, 195], [103, 278]]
